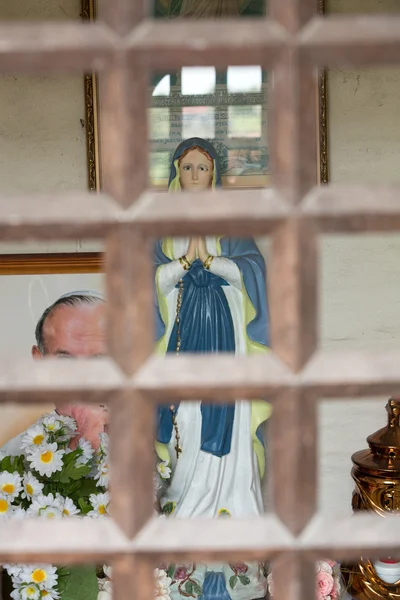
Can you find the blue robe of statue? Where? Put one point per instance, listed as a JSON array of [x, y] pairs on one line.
[[207, 326]]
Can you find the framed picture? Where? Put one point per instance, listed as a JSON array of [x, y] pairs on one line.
[[24, 299], [227, 107]]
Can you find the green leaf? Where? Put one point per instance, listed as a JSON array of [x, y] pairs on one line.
[[63, 571], [244, 579], [171, 571], [81, 584], [198, 590], [71, 457], [189, 588], [168, 508], [87, 487], [63, 574], [13, 463], [84, 506], [70, 471], [233, 581]]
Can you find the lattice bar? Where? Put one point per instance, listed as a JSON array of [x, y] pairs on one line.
[[42, 47], [190, 377], [130, 322], [327, 374], [354, 208], [333, 41], [238, 213], [207, 42], [348, 41], [63, 541], [70, 215], [331, 209], [293, 292], [132, 435], [293, 453], [81, 381], [123, 15], [343, 538]]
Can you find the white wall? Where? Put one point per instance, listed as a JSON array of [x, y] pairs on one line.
[[42, 141], [42, 147], [360, 288]]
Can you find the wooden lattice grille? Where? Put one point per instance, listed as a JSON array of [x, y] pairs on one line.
[[291, 43]]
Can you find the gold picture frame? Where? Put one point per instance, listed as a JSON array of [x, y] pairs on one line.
[[92, 116], [89, 13], [323, 162], [92, 262]]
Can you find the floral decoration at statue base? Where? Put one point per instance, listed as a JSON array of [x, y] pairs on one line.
[[327, 583], [52, 480]]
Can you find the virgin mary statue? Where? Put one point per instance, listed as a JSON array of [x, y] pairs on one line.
[[211, 297]]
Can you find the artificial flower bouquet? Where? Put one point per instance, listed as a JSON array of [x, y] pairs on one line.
[[49, 480], [327, 581]]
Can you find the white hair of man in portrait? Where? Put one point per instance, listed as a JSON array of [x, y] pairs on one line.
[[72, 327]]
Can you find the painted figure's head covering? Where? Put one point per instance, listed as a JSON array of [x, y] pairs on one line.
[[174, 184]]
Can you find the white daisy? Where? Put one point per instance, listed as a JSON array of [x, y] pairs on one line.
[[86, 454], [10, 484], [100, 504], [14, 570], [5, 506], [15, 595], [164, 470], [68, 424], [18, 513], [49, 594], [41, 504], [2, 454], [31, 486], [44, 576], [29, 591], [51, 423], [51, 512], [46, 459], [59, 427], [68, 508], [34, 437], [103, 442], [102, 474]]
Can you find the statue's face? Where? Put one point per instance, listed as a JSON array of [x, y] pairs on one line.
[[195, 171]]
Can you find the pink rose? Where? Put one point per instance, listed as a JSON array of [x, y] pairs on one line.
[[324, 584], [180, 573], [240, 568]]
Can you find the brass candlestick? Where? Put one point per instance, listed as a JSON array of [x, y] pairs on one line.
[[376, 473]]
